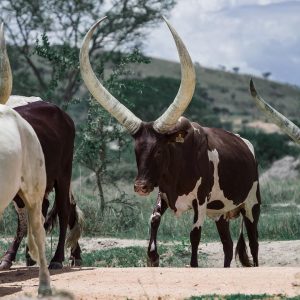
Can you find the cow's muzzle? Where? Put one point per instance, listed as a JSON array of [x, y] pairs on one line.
[[143, 188]]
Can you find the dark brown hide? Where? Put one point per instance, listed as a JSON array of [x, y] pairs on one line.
[[173, 166], [176, 160], [56, 133], [237, 167]]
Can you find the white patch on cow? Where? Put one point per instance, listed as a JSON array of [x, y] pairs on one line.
[[201, 214], [184, 202], [15, 101], [249, 145], [154, 215], [250, 201], [152, 248], [218, 194], [196, 129], [22, 216]]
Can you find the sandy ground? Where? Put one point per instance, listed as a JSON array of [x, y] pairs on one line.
[[279, 274], [271, 254]]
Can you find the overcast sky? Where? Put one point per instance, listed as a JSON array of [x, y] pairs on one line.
[[254, 35]]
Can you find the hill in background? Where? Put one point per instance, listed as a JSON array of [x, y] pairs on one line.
[[226, 93]]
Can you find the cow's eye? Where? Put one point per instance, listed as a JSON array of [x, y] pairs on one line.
[[158, 152]]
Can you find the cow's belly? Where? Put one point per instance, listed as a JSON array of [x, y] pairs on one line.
[[219, 205]]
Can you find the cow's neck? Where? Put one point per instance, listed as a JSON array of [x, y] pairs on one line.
[[183, 170]]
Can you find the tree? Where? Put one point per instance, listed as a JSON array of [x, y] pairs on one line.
[[63, 24], [236, 69], [266, 75], [95, 137]]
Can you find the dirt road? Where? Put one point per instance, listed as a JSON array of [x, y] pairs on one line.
[[279, 274], [158, 283]]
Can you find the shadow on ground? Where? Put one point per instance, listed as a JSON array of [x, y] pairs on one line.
[[10, 278]]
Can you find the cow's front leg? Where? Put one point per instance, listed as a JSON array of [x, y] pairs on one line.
[[195, 235], [10, 255], [159, 209]]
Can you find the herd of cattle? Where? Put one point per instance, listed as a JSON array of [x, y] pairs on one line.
[[210, 170]]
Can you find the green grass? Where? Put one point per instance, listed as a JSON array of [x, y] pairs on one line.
[[277, 222], [170, 256], [279, 215], [244, 297]]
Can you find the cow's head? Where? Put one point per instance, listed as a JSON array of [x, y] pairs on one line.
[[285, 124], [152, 140], [5, 71], [154, 153]]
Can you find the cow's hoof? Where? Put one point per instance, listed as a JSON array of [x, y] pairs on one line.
[[44, 290], [76, 262], [30, 262], [152, 263], [54, 265], [5, 264]]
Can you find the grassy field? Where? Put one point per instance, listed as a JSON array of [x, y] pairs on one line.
[[127, 215], [279, 221]]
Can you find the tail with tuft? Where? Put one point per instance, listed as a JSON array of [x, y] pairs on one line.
[[76, 231], [51, 219], [241, 249]]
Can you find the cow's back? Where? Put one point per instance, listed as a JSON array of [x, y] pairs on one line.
[[55, 130]]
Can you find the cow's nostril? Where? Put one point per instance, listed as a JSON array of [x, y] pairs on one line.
[[141, 186], [144, 188]]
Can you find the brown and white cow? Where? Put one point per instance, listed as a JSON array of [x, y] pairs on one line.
[[209, 170], [282, 122], [56, 132]]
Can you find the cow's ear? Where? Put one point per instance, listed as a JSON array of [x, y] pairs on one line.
[[177, 137]]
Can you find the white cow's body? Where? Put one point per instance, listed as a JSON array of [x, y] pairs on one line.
[[22, 171]]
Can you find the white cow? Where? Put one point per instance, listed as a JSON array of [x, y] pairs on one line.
[[22, 169]]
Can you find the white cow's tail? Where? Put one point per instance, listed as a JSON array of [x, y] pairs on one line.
[[241, 249], [76, 231]]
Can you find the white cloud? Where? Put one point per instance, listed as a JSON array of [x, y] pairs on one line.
[[255, 35]]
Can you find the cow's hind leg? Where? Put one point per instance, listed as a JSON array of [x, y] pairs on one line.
[[45, 206], [252, 232], [75, 225], [159, 210], [36, 240], [10, 255], [224, 232], [62, 201]]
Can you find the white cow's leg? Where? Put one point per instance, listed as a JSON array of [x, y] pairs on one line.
[[159, 210], [33, 198], [195, 234], [36, 244]]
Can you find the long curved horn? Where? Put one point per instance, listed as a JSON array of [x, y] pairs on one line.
[[5, 70], [186, 89], [285, 124], [123, 115]]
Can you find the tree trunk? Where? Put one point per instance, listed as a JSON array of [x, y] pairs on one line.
[[101, 194]]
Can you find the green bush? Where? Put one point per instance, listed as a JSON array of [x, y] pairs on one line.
[[269, 147]]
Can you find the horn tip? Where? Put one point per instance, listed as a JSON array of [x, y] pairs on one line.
[[252, 89]]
